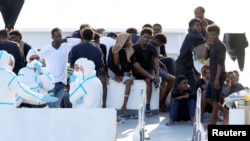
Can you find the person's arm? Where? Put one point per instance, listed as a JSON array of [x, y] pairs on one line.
[[46, 79], [71, 42], [226, 90], [24, 91], [182, 97], [112, 65], [156, 68], [176, 94], [206, 53], [72, 57], [155, 62], [217, 77], [98, 60], [76, 91], [163, 66], [116, 58], [16, 52], [163, 51], [221, 51], [240, 87]]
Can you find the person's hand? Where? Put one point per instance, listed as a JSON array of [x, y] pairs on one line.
[[118, 78], [156, 81], [157, 78], [72, 78], [205, 80], [229, 82], [40, 84], [64, 40], [38, 68], [49, 99], [79, 101]]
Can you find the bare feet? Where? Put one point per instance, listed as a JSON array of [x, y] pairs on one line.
[[124, 111]]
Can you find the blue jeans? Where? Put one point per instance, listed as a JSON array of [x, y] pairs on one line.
[[175, 108], [58, 92], [65, 101]]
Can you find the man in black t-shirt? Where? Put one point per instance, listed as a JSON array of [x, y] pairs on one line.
[[13, 49]]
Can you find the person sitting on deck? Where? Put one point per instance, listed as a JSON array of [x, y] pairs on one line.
[[120, 66], [183, 102], [85, 87]]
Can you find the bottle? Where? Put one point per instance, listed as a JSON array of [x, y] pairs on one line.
[[156, 84], [247, 100]]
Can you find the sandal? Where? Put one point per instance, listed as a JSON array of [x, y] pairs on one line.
[[118, 121], [129, 116]]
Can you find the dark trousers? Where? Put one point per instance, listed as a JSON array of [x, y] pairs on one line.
[[182, 109]]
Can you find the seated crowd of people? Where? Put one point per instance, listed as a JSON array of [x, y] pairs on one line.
[[73, 72]]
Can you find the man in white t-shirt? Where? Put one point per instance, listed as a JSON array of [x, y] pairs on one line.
[[56, 58]]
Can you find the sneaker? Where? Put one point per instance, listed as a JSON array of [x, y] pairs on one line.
[[148, 110]]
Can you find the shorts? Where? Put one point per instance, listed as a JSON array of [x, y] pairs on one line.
[[162, 74], [212, 92], [124, 78]]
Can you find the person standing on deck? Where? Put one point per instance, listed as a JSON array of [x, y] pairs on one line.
[[216, 53], [56, 58], [184, 62]]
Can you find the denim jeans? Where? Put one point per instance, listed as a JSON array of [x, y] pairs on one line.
[[175, 107], [65, 101], [58, 92]]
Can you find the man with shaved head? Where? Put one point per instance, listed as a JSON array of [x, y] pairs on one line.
[[199, 12]]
